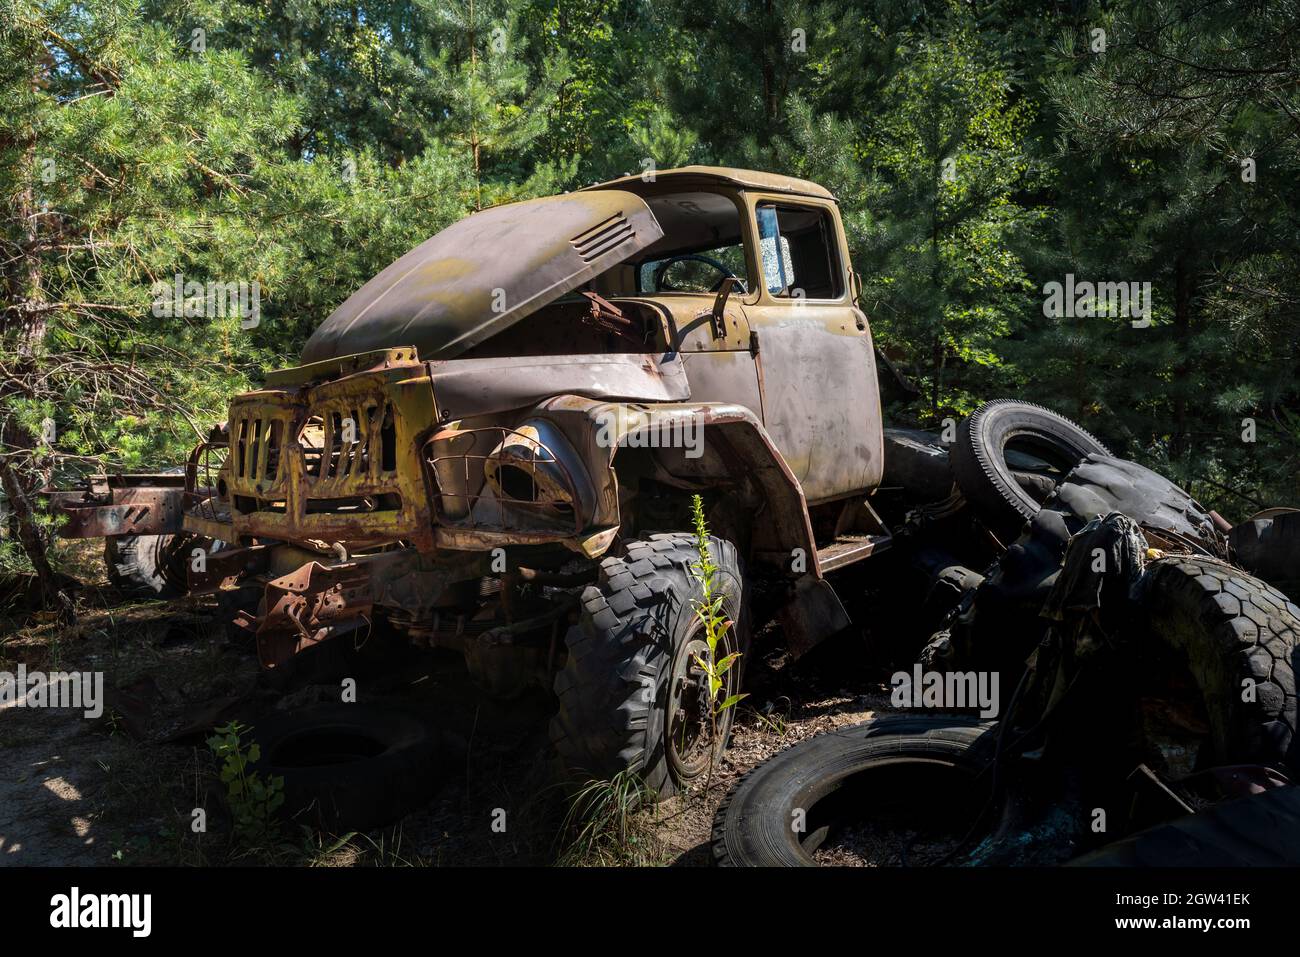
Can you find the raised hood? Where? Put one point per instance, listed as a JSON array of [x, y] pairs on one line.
[[485, 273]]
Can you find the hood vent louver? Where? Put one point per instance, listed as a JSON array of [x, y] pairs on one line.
[[603, 237]]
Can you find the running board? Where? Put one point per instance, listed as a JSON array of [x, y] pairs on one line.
[[849, 548]]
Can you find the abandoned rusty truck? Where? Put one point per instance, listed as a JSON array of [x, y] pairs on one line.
[[493, 447]]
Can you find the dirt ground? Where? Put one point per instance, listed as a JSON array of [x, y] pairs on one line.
[[123, 788]]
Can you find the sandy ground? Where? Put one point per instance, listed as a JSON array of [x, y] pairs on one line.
[[122, 788]]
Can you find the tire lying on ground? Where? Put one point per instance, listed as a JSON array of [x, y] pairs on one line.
[[1007, 457], [784, 810], [348, 766], [1237, 637], [630, 695], [152, 564]]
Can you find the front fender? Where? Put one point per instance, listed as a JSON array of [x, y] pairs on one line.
[[598, 430]]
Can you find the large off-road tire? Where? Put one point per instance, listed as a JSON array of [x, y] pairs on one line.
[[848, 775], [348, 766], [630, 696], [152, 564], [1231, 632], [1268, 546], [1009, 454]]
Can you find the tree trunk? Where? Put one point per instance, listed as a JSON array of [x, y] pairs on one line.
[[31, 325], [1178, 444]]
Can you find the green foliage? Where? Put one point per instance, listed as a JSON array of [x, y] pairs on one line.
[[606, 824], [978, 152], [253, 801]]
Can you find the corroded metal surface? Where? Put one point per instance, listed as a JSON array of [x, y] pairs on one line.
[[686, 177], [106, 508], [334, 462], [485, 273]]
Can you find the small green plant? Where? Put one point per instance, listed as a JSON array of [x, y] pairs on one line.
[[253, 801], [708, 609]]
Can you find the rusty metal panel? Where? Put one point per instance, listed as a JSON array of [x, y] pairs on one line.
[[134, 510], [685, 177], [724, 377], [225, 568], [309, 605], [821, 401], [485, 273], [474, 387]]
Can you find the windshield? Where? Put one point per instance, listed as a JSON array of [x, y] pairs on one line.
[[702, 245]]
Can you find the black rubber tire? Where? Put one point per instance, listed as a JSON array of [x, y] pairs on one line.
[[753, 826], [613, 689], [987, 480], [1006, 624], [152, 564], [1229, 627], [917, 463], [1102, 484], [348, 767], [1269, 548]]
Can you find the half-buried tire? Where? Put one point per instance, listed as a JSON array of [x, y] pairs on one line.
[[857, 786], [348, 767]]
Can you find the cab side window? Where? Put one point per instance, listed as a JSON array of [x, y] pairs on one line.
[[800, 257]]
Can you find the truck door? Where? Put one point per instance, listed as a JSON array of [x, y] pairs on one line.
[[816, 363]]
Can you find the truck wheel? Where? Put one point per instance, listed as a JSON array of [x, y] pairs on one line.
[[631, 695], [894, 778], [1003, 438], [153, 565], [1223, 656]]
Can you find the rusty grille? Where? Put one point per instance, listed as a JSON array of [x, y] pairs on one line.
[[256, 442], [602, 237], [348, 440]]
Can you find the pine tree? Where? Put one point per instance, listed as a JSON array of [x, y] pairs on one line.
[[125, 160], [1178, 159], [480, 95]]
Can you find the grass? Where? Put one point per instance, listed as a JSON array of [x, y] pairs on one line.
[[610, 823]]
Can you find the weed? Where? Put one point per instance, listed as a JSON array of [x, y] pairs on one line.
[[708, 609], [253, 801]]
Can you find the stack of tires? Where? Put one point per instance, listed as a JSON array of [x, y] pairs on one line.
[[1034, 480]]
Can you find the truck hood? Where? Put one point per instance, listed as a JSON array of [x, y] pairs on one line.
[[483, 274]]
